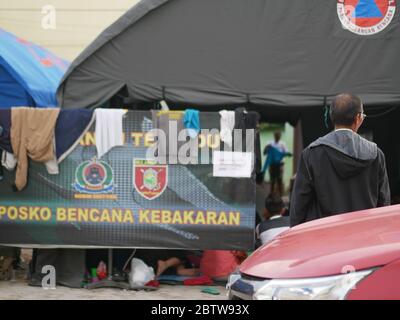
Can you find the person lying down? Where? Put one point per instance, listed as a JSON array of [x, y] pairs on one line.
[[171, 262]]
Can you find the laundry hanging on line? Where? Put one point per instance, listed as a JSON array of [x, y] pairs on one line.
[[32, 135], [227, 124], [108, 132]]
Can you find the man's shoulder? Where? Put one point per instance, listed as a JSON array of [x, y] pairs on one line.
[[381, 155], [274, 223]]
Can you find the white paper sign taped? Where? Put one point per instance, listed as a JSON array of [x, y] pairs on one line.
[[232, 164]]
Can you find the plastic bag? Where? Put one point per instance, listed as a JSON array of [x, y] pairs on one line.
[[140, 273]]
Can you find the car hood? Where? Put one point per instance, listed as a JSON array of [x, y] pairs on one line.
[[330, 246]]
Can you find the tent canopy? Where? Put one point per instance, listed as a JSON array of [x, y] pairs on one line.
[[267, 53], [29, 74]]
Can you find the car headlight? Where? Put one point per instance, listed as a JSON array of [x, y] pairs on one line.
[[233, 277], [325, 288]]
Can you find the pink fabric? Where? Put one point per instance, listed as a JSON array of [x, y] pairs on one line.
[[218, 263]]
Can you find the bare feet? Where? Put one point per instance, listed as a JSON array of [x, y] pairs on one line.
[[161, 267]]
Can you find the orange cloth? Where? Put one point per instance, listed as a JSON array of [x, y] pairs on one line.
[[32, 135], [219, 263]]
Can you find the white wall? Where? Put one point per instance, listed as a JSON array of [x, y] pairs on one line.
[[78, 22]]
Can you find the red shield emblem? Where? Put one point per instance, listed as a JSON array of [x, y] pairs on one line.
[[149, 178]]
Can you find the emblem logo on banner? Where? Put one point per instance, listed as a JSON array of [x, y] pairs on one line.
[[94, 177], [366, 17], [149, 178]]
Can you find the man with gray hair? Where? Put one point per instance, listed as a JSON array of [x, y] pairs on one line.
[[340, 172]]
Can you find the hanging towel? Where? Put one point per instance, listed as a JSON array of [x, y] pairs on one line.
[[191, 120], [109, 132], [227, 123], [32, 135], [70, 128]]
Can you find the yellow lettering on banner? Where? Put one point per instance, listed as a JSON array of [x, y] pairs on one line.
[[117, 215], [188, 217], [156, 216], [72, 214], [144, 216], [83, 215], [213, 141], [45, 214], [222, 219], [166, 216], [128, 217], [23, 213], [212, 217], [34, 214], [94, 215], [177, 218], [200, 218], [202, 141], [136, 136], [3, 211], [148, 139], [88, 139], [105, 216], [61, 214], [234, 218], [12, 213]]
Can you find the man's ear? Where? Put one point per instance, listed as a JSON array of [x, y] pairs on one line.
[[266, 213]]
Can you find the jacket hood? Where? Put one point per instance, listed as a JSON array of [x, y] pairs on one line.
[[348, 152]]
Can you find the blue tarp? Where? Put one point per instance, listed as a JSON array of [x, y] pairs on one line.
[[29, 74]]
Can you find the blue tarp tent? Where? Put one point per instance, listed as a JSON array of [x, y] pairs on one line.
[[29, 74]]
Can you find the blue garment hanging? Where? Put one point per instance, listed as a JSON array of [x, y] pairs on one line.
[[191, 122]]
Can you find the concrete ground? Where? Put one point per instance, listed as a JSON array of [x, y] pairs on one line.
[[19, 290]]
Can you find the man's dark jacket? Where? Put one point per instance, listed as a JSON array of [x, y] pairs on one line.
[[340, 172]]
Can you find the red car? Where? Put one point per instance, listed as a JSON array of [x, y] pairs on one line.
[[350, 256]]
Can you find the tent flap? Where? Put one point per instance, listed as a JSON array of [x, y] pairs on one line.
[[270, 53], [29, 74]]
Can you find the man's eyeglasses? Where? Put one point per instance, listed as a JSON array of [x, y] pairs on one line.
[[363, 115]]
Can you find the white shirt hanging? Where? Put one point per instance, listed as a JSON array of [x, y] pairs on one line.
[[109, 133]]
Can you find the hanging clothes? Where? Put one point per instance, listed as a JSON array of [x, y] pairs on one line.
[[191, 121], [108, 132], [70, 128], [227, 124], [32, 135], [249, 120]]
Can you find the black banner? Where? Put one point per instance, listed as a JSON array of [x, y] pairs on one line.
[[126, 200]]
